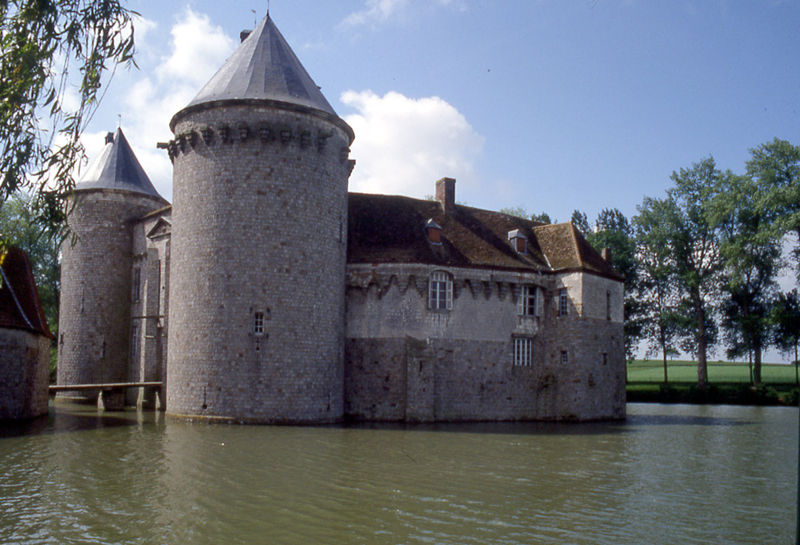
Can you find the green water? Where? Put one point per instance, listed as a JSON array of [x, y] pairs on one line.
[[669, 474]]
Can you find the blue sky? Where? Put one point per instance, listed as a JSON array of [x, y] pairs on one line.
[[547, 105]]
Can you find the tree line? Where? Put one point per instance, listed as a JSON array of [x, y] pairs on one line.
[[701, 264]]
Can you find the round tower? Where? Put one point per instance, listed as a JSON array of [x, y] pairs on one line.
[[256, 315], [97, 279]]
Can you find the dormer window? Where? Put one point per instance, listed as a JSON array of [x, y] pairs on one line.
[[518, 241], [433, 231]]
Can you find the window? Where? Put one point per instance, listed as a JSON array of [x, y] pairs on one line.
[[137, 284], [608, 305], [605, 358], [563, 302], [440, 292], [523, 352], [134, 342], [564, 358], [258, 323], [526, 306]]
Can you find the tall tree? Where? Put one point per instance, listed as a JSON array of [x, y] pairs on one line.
[[751, 257], [42, 42], [657, 293], [775, 169], [614, 232], [694, 246], [786, 320]]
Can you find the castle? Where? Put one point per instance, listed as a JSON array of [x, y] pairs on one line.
[[266, 293]]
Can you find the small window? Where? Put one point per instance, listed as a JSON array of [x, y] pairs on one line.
[[563, 302], [440, 292], [258, 323], [523, 352], [526, 306], [137, 284], [564, 358], [604, 358], [134, 342], [608, 305]]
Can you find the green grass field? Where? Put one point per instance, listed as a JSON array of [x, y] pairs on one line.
[[679, 371]]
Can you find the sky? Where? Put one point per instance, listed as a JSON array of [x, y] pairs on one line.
[[550, 106]]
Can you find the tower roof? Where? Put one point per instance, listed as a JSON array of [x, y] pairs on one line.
[[264, 67], [117, 168]]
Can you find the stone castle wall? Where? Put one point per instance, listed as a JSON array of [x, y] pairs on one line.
[[151, 254], [407, 362], [259, 228], [96, 264], [24, 373]]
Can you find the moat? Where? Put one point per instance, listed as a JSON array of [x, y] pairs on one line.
[[669, 474]]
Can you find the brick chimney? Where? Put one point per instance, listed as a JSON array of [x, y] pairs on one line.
[[446, 194], [606, 254]]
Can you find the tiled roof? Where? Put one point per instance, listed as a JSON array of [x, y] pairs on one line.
[[390, 229], [19, 300], [264, 67], [117, 168]]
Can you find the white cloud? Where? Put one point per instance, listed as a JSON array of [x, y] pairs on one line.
[[404, 144], [197, 49], [374, 11]]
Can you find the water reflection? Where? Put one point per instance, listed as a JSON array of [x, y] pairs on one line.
[[668, 474]]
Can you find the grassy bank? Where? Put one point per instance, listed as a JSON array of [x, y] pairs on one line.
[[729, 383]]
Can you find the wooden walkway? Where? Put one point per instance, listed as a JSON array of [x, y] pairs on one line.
[[106, 386]]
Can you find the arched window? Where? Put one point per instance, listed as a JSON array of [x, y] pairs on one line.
[[440, 291]]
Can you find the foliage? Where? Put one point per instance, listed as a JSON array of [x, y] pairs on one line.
[[775, 169], [580, 221], [785, 316], [517, 211], [614, 232], [751, 256], [657, 294], [41, 42], [19, 227], [694, 250], [541, 218]]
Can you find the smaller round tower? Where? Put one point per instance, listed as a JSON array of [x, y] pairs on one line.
[[97, 278]]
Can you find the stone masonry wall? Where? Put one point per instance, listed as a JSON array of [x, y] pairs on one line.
[[406, 362], [94, 312], [259, 226], [24, 374], [151, 245]]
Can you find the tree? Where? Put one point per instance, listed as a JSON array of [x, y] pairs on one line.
[[657, 292], [19, 228], [614, 232], [544, 217], [751, 257], [517, 211], [580, 221], [41, 42], [786, 320], [694, 250], [775, 169]]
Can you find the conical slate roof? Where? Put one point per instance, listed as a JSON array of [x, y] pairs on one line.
[[20, 307], [264, 67], [117, 168]]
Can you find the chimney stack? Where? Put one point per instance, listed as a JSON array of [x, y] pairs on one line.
[[606, 254], [446, 194]]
